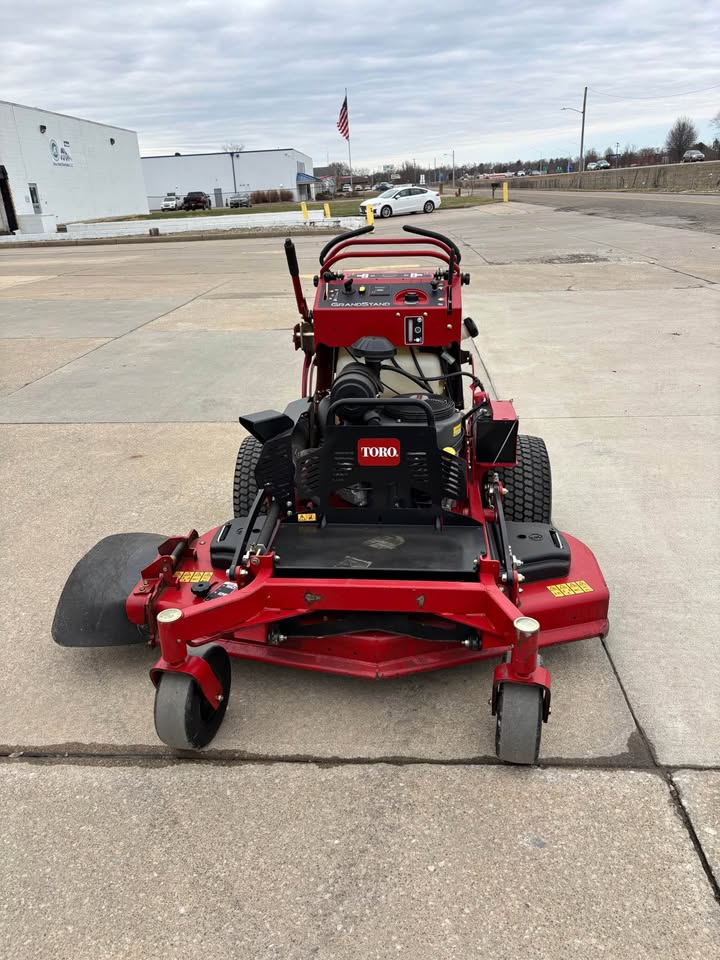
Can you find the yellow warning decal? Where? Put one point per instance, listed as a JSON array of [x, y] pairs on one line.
[[457, 429], [570, 589], [307, 517], [194, 576]]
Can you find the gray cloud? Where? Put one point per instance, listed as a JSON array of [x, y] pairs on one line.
[[423, 78]]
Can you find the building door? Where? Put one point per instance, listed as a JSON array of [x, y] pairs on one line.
[[35, 197], [8, 220]]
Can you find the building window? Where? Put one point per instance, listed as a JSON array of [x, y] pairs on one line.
[[300, 167]]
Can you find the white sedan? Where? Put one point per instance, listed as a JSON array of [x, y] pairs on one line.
[[402, 199]]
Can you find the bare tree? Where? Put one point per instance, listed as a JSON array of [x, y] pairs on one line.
[[681, 136], [233, 147], [716, 120]]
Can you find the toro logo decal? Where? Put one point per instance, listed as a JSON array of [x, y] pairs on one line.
[[378, 452]]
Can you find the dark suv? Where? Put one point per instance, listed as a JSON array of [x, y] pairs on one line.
[[196, 201]]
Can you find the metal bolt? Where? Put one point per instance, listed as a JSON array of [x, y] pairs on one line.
[[201, 542], [504, 491], [449, 326], [219, 698], [288, 513], [254, 561], [521, 578], [288, 503], [504, 578], [244, 573], [277, 557]]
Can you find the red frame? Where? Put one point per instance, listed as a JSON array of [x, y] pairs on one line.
[[248, 621]]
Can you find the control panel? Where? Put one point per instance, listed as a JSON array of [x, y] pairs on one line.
[[359, 292], [409, 308]]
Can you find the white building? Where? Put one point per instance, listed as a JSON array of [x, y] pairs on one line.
[[56, 169], [222, 174]]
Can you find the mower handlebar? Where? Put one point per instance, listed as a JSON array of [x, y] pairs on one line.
[[435, 236], [343, 236]]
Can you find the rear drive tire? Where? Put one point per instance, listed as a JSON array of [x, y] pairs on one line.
[[183, 717], [386, 212], [429, 207], [529, 484], [245, 487], [519, 720]]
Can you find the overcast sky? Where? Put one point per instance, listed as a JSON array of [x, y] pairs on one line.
[[487, 80]]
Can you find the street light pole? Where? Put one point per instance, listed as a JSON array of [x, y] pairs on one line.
[[582, 129], [453, 167]]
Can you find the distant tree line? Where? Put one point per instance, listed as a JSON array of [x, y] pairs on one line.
[[682, 136]]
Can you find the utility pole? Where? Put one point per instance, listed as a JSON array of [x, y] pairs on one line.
[[617, 154], [582, 128], [582, 133]]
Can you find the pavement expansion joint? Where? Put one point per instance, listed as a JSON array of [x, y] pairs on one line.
[[96, 754]]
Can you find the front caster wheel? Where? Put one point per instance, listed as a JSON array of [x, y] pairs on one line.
[[519, 719], [183, 717]]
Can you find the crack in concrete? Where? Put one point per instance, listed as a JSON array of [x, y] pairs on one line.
[[161, 757]]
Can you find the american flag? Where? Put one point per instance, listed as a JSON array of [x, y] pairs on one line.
[[343, 123]]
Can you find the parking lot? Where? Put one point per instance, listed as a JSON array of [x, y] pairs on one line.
[[334, 818]]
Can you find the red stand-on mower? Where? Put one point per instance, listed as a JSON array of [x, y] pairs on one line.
[[379, 527]]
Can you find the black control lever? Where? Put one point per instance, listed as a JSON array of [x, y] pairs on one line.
[[292, 262]]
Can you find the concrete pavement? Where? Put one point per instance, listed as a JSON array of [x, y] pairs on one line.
[[123, 371], [293, 861]]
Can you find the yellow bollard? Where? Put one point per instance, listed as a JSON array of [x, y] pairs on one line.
[[369, 214], [303, 207], [505, 191], [326, 207]]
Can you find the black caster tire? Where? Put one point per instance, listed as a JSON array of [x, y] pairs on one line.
[[183, 717], [385, 212], [519, 720]]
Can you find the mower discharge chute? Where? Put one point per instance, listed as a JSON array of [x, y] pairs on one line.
[[382, 526]]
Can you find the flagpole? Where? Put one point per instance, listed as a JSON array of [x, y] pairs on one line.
[[348, 140]]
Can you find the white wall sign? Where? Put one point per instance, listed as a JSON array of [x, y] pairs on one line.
[[60, 153]]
